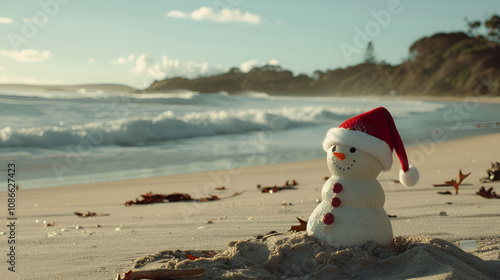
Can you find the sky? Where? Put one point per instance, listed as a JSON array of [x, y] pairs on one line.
[[63, 42]]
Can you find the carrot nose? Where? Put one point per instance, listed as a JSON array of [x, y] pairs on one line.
[[340, 156]]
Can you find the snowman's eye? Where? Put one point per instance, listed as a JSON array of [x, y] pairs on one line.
[[352, 150], [334, 148]]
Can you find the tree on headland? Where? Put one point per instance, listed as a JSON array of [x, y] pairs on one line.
[[493, 24], [473, 26], [370, 54]]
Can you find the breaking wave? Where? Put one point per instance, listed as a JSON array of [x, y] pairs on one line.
[[166, 126], [189, 114]]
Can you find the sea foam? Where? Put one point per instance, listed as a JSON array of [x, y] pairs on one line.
[[170, 125]]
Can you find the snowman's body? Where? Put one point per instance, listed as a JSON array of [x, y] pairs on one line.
[[351, 212]]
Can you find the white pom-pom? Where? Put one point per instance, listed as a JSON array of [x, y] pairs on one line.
[[410, 177]]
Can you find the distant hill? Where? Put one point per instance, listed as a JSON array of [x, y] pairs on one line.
[[442, 64]]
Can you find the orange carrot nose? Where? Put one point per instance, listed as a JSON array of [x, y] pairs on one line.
[[340, 156]]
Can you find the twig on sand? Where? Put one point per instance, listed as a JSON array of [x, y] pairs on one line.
[[445, 192], [89, 214], [453, 182], [272, 189], [157, 274]]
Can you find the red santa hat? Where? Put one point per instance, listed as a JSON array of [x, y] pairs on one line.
[[374, 132]]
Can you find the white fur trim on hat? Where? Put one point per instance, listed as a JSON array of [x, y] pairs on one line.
[[360, 140], [410, 177]]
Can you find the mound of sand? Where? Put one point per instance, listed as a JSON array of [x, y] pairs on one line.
[[279, 256]]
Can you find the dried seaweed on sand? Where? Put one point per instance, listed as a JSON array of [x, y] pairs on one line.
[[493, 173], [150, 197], [489, 193], [272, 189], [161, 274]]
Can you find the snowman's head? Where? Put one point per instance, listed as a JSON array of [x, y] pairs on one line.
[[346, 161]]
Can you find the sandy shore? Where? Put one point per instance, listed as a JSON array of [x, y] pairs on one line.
[[100, 247]]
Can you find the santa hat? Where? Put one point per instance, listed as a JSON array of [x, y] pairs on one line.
[[374, 132]]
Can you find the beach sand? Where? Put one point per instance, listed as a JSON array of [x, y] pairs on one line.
[[101, 247]]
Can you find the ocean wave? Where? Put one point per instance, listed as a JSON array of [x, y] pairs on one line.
[[167, 126], [99, 94], [180, 97], [178, 115], [58, 95]]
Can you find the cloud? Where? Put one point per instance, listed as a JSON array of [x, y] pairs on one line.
[[224, 15], [143, 62], [176, 14], [147, 64], [165, 67], [1, 68], [274, 62], [5, 20], [189, 69], [249, 65], [123, 60], [31, 81], [159, 69], [27, 55], [36, 20], [91, 60]]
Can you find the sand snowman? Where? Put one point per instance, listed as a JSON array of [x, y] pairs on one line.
[[351, 212]]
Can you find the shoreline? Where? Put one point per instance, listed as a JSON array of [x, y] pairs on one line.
[[129, 90], [444, 98], [137, 179], [236, 171], [43, 170], [99, 247]]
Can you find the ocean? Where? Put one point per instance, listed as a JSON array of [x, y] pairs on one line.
[[60, 138]]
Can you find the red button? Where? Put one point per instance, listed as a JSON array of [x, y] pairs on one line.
[[337, 187], [328, 218], [336, 202]]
